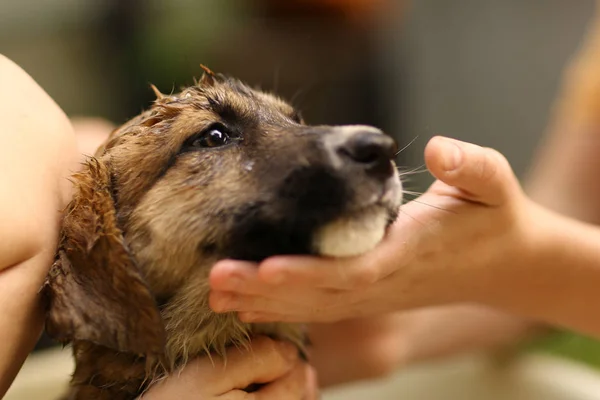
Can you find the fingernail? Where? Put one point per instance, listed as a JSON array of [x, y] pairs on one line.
[[453, 158]]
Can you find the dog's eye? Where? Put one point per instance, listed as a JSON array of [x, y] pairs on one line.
[[214, 136]]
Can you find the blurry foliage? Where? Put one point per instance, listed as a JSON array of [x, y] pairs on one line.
[[178, 35], [569, 345]]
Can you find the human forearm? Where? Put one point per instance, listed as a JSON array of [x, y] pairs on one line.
[[21, 319], [564, 174], [555, 279], [439, 332]]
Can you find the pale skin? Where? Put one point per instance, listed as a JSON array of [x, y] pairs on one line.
[[39, 150]]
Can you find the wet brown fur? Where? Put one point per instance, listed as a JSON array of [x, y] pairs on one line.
[[129, 287]]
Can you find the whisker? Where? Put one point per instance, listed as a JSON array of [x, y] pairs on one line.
[[414, 171], [405, 147], [422, 167], [417, 170], [406, 174], [423, 224], [432, 206], [412, 193], [413, 218]]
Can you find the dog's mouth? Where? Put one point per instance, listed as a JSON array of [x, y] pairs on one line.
[[389, 198], [356, 229], [359, 231]]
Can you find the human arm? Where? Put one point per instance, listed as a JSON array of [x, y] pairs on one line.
[[37, 153], [37, 145]]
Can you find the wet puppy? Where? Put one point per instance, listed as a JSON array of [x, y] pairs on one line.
[[216, 171]]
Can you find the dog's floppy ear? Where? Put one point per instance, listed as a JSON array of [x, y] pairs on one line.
[[95, 291]]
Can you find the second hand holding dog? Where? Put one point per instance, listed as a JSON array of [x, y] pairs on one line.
[[482, 240], [275, 364]]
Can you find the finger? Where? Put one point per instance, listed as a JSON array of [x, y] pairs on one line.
[[301, 271], [239, 276], [236, 286], [334, 310], [298, 384], [348, 273], [327, 307], [481, 173], [302, 316], [265, 361], [316, 307], [243, 278]]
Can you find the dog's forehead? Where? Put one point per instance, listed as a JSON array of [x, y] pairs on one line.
[[232, 98], [226, 99]]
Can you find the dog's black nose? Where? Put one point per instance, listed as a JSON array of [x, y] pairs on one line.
[[369, 148]]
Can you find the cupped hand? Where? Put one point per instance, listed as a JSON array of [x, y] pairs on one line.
[[442, 249], [274, 364]]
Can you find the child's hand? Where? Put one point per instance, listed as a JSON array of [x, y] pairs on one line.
[[275, 364], [444, 248]]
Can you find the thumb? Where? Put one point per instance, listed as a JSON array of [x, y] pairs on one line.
[[482, 174]]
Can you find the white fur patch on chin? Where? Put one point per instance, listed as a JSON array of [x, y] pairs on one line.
[[351, 237]]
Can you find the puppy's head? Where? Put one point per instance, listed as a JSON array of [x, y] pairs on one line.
[[216, 171]]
